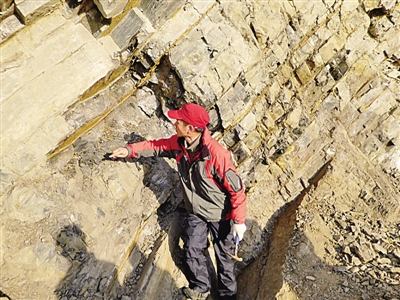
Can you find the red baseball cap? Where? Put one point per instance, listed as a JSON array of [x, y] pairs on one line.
[[192, 114]]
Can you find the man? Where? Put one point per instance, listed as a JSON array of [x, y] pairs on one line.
[[213, 195]]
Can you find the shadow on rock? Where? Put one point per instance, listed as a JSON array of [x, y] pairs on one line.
[[4, 296], [87, 277]]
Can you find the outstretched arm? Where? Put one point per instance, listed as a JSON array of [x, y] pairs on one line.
[[163, 147]]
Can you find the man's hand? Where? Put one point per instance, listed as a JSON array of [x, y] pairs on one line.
[[119, 153], [239, 229]]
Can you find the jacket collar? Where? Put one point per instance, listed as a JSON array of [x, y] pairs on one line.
[[205, 141]]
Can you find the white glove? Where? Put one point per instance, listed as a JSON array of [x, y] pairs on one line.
[[239, 229]]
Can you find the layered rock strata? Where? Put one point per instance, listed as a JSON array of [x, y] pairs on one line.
[[292, 88]]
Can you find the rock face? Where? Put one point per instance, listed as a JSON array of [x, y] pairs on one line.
[[303, 93]]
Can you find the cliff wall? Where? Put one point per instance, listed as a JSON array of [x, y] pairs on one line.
[[305, 94]]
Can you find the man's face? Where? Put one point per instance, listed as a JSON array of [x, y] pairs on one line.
[[182, 128]]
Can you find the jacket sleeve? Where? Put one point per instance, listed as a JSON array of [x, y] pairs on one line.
[[233, 185], [163, 148]]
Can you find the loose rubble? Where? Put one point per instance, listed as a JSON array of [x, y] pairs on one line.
[[361, 255]]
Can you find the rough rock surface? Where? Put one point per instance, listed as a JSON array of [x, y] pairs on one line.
[[303, 93]]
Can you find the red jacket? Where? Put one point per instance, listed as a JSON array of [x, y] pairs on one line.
[[212, 188]]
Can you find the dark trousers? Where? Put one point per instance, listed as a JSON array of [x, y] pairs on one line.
[[222, 239]]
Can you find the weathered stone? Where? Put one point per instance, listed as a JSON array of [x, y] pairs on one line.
[[252, 140], [147, 101], [123, 33], [347, 250], [304, 73], [342, 223], [330, 249], [15, 63], [110, 9], [268, 30], [348, 8], [364, 252], [379, 27], [384, 260], [231, 104], [28, 11], [379, 248], [294, 118], [331, 48], [370, 5], [341, 269], [95, 62], [158, 12], [5, 5], [312, 278], [9, 26], [188, 58], [355, 22], [396, 253], [240, 152], [27, 206], [6, 179], [174, 28], [395, 270], [246, 125]]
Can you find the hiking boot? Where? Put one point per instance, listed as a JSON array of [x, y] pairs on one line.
[[194, 295]]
